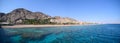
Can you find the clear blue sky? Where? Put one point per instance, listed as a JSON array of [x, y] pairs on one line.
[[104, 11]]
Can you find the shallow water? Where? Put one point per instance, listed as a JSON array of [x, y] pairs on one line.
[[107, 33]]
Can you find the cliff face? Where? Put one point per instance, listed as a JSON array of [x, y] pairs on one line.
[[20, 14]]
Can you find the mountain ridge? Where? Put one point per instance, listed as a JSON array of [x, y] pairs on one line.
[[20, 14]]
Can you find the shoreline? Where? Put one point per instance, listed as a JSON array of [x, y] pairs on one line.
[[27, 26]]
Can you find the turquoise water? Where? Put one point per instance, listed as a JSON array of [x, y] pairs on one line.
[[107, 33]]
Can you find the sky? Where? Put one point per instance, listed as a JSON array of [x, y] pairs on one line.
[[99, 11]]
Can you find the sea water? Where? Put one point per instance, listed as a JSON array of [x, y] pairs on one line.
[[105, 33]]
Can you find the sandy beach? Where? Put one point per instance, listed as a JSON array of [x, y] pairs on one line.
[[24, 26]]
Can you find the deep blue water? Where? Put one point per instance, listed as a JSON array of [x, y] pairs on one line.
[[107, 33]]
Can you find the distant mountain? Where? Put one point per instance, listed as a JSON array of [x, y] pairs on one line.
[[65, 20], [2, 14], [20, 14]]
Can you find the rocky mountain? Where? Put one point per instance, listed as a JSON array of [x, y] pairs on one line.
[[1, 15], [61, 20], [20, 14]]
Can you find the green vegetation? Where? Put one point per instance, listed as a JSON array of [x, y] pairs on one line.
[[1, 21], [35, 21]]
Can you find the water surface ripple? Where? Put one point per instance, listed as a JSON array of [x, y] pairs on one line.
[[107, 33]]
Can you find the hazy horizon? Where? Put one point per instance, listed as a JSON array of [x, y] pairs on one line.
[[100, 11]]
